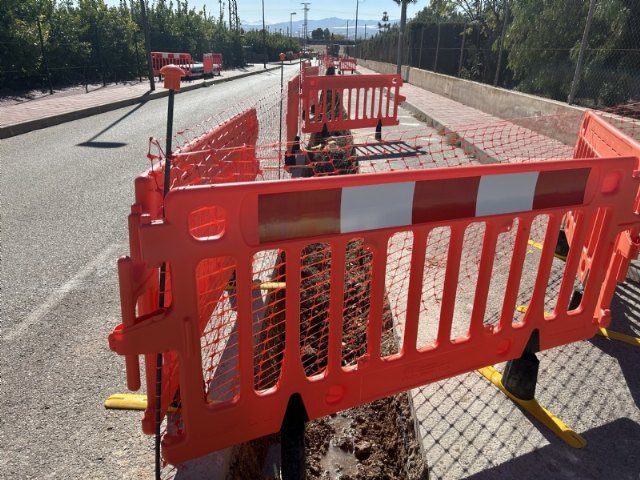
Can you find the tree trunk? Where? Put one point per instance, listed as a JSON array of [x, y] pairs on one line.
[[147, 44]]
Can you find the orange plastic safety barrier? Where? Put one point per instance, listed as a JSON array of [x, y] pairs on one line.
[[598, 138], [292, 117], [224, 154], [347, 64], [160, 59], [291, 216], [212, 63], [343, 103], [308, 71], [329, 61]]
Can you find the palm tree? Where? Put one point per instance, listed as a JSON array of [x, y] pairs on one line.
[[403, 22]]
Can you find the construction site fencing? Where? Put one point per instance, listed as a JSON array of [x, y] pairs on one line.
[[353, 287], [560, 59], [343, 103], [347, 64], [161, 59], [212, 63]]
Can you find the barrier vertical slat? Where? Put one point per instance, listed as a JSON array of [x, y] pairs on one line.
[[336, 304], [484, 279], [515, 271], [449, 292], [414, 292], [378, 270], [292, 361], [536, 308], [573, 259], [602, 256], [244, 284], [387, 112]]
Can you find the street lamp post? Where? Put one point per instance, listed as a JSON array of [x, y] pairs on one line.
[[291, 24], [355, 38]]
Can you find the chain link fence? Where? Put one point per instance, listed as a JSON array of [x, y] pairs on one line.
[[587, 53]]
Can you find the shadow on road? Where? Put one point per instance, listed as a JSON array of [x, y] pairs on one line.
[[608, 454], [98, 144]]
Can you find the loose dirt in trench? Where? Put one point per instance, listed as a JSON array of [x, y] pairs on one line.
[[371, 441]]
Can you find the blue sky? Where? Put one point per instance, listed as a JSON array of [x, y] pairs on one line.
[[276, 11]]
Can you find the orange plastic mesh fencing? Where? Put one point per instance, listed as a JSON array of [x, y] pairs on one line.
[[270, 148], [456, 258]]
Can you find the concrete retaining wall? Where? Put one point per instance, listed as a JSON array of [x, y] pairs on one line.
[[548, 117]]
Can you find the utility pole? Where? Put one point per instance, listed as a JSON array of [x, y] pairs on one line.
[[355, 38], [504, 28], [304, 26], [403, 22], [44, 56], [264, 39], [583, 45]]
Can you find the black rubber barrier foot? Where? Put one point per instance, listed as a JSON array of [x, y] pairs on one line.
[[562, 245], [379, 130], [292, 449], [576, 299], [521, 375], [325, 132]]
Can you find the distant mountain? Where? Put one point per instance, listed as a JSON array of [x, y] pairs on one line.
[[334, 24]]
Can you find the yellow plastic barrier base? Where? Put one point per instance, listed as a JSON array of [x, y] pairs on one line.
[[543, 415], [126, 401], [538, 245], [603, 332], [621, 337]]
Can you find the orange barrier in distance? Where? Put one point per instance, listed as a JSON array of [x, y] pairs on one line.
[[598, 138], [160, 59], [344, 103], [212, 63], [348, 64], [292, 117]]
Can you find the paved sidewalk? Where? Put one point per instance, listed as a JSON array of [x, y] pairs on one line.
[[54, 109], [490, 139]]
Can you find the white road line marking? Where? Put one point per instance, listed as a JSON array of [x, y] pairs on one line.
[[58, 294]]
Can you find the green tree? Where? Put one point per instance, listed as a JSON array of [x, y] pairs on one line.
[[544, 39], [384, 25], [317, 34]]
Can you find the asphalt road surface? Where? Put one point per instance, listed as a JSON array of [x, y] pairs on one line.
[[66, 193]]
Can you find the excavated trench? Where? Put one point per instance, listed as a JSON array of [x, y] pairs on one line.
[[376, 440]]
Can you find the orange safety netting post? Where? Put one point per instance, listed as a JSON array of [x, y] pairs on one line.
[[270, 348]]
